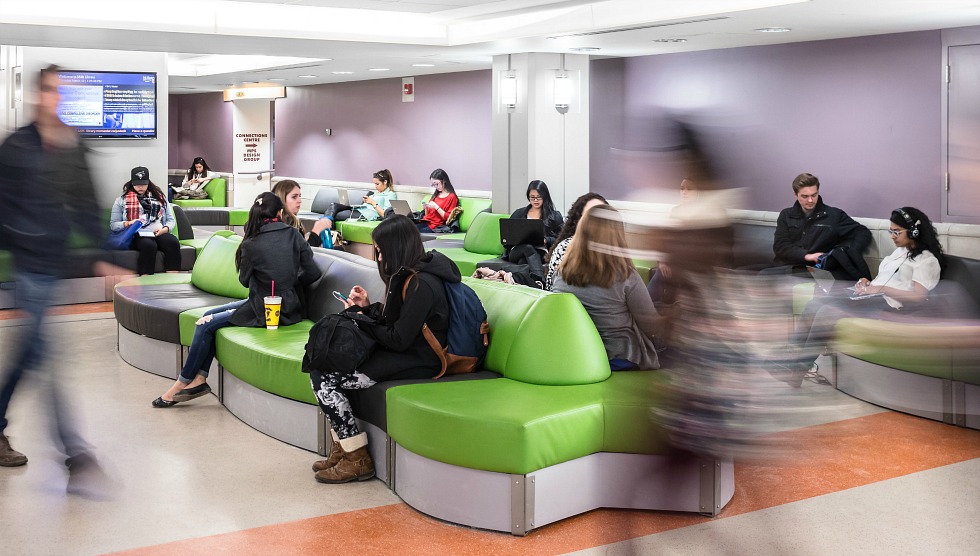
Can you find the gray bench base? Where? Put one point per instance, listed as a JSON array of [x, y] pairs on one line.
[[951, 402], [153, 356], [519, 503]]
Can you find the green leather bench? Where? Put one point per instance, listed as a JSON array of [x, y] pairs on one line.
[[360, 232], [217, 196], [481, 242]]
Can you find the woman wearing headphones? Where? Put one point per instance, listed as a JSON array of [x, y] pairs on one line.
[[904, 280]]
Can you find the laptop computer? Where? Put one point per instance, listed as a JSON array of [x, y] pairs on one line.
[[356, 196], [401, 207], [521, 230]]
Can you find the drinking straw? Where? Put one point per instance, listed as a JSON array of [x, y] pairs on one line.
[[273, 288]]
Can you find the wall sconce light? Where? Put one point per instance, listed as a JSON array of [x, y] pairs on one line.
[[563, 91], [508, 89]]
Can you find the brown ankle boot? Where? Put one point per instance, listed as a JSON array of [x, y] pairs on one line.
[[336, 452], [355, 462], [8, 456]]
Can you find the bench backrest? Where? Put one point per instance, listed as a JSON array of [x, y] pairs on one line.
[[214, 270], [217, 192], [484, 234], [325, 196], [340, 272], [540, 337]]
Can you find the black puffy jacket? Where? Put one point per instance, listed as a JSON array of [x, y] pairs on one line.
[[798, 235]]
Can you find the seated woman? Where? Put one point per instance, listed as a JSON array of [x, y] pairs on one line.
[[611, 290], [291, 195], [540, 208], [905, 279], [373, 206], [197, 176], [271, 253], [564, 239], [143, 201], [442, 203], [401, 351]]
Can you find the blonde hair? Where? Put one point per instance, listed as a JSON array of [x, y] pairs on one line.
[[282, 189], [596, 255]]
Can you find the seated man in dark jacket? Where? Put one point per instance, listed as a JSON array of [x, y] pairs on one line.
[[809, 229]]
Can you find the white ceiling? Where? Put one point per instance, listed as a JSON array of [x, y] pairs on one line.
[[319, 37]]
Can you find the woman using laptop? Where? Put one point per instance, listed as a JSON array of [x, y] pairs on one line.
[[540, 207], [142, 201], [373, 205], [905, 279]]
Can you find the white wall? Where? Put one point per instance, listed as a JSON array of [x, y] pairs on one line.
[[111, 159]]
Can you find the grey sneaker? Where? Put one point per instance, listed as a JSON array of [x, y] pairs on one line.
[[8, 456]]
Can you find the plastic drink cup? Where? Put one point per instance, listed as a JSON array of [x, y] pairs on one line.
[[272, 305]]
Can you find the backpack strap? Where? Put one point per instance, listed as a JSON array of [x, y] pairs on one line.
[[430, 338]]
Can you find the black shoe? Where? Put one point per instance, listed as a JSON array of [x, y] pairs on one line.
[[87, 479], [160, 402], [189, 394]]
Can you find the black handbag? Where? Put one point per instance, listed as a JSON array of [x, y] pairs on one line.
[[338, 343]]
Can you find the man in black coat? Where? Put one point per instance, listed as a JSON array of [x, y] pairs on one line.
[[809, 229]]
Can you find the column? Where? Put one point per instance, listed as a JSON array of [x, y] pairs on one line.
[[534, 139], [252, 152]]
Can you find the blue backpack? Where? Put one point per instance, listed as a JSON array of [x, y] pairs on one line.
[[469, 332]]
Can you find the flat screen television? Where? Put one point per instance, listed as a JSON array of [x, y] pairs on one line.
[[109, 104]]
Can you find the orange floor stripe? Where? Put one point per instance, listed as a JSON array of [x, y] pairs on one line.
[[80, 309], [831, 458]]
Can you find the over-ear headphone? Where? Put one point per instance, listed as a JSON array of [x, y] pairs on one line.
[[913, 228]]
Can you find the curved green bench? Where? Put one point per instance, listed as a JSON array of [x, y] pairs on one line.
[[360, 232], [217, 196], [481, 242]]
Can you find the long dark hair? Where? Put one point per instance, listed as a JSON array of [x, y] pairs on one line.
[[151, 189], [384, 176], [928, 238], [574, 215], [265, 208], [282, 189], [441, 175], [399, 244], [547, 205], [199, 160]]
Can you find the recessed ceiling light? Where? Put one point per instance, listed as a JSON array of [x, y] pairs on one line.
[[423, 65], [379, 69], [307, 76], [670, 40], [773, 30], [585, 49], [341, 72]]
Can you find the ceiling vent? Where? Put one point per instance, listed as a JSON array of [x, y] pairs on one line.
[[641, 27]]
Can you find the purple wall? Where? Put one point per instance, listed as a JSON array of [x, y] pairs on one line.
[[862, 114], [200, 125], [448, 126]]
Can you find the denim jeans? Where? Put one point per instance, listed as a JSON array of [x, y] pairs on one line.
[[201, 353], [34, 292]]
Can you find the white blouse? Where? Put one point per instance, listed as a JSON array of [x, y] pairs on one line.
[[899, 271]]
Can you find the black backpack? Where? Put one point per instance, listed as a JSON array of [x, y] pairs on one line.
[[337, 344]]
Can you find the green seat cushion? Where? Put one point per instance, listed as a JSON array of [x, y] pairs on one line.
[[465, 261], [197, 243], [627, 399], [270, 360], [6, 266], [187, 321], [903, 346], [237, 217], [158, 279], [802, 294], [194, 202], [458, 236], [540, 337], [645, 268], [214, 270], [357, 231], [498, 425]]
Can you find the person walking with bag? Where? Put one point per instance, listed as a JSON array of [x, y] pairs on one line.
[[415, 296]]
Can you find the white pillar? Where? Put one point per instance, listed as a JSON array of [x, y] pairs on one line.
[[533, 140], [252, 150]]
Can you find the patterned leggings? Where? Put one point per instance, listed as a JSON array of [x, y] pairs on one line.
[[333, 402]]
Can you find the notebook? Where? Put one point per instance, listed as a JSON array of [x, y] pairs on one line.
[[521, 230], [401, 207]]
